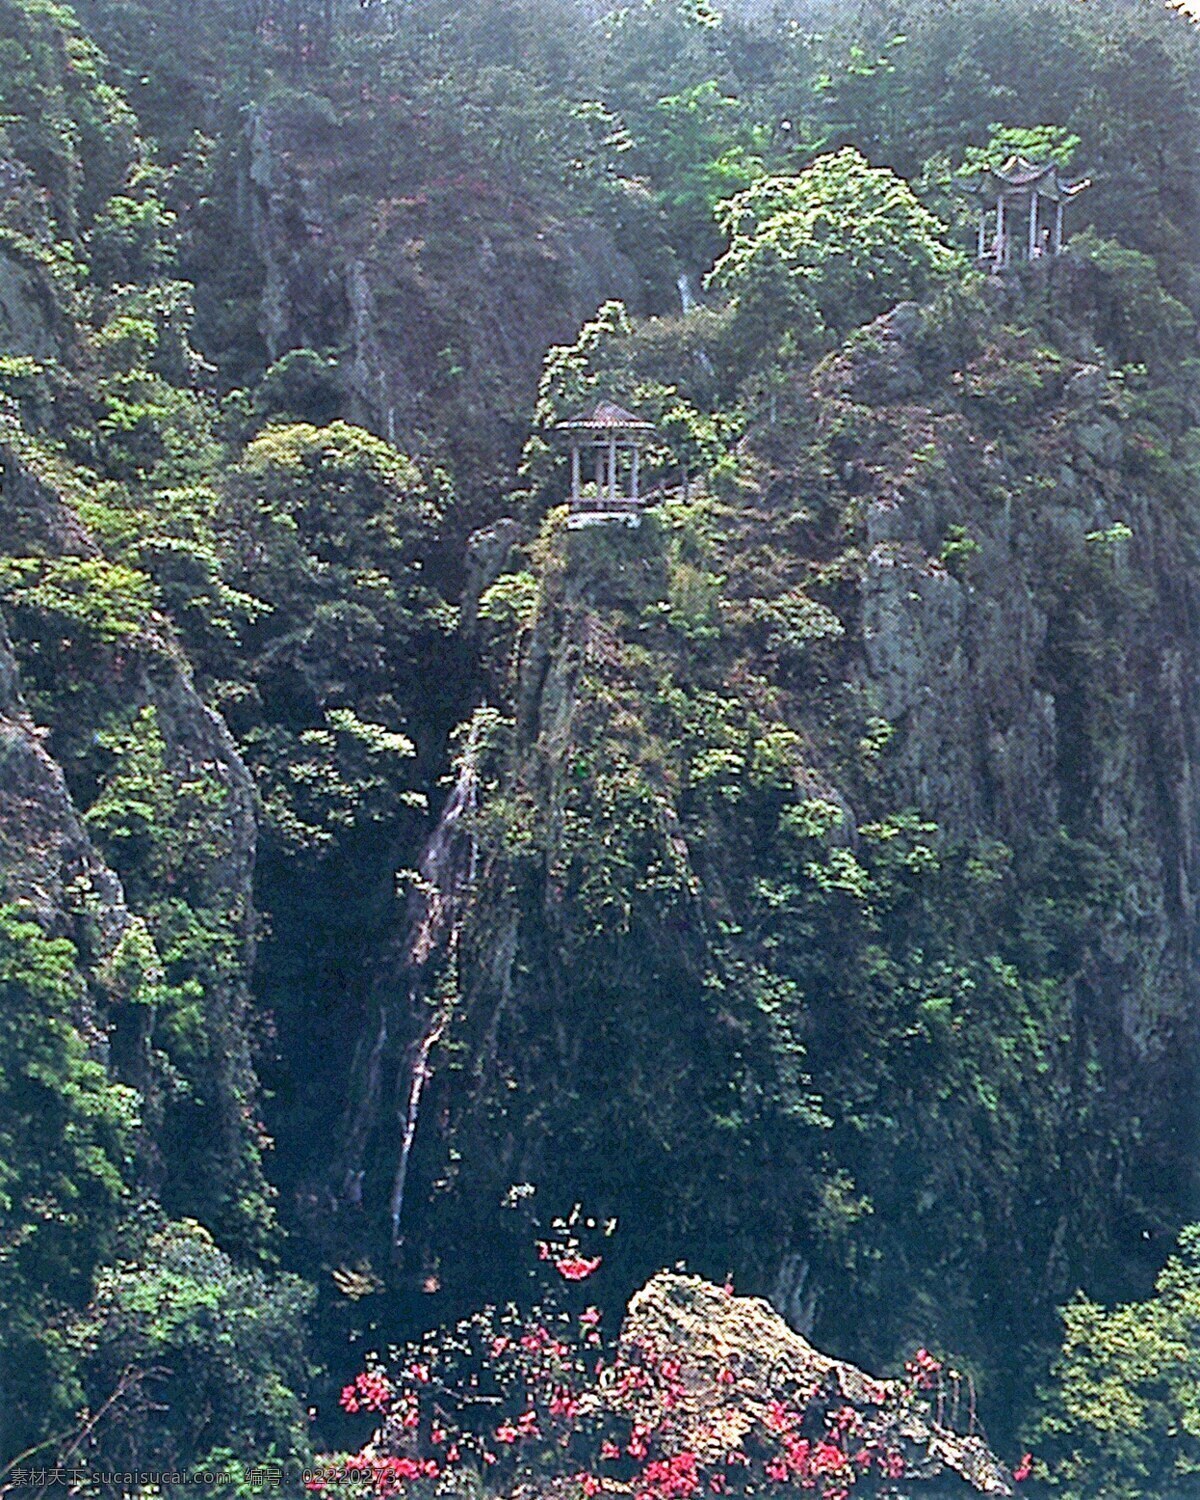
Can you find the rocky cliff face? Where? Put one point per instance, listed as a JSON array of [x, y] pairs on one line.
[[129, 823], [1027, 613], [707, 1331], [439, 294], [837, 843]]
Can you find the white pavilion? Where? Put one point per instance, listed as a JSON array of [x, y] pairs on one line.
[[608, 439], [1021, 209]]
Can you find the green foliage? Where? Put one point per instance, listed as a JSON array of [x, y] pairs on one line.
[[690, 980], [66, 1133], [130, 241], [327, 529], [89, 599], [828, 249], [1138, 318], [301, 386], [1039, 143], [1121, 1420], [702, 154], [63, 119], [216, 1355]]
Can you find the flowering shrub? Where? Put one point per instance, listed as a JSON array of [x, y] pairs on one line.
[[543, 1397]]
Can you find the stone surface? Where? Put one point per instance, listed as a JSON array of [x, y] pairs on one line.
[[710, 1332]]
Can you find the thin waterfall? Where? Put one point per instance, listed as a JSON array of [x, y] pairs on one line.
[[446, 871]]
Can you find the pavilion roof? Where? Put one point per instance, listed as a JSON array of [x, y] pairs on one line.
[[1017, 175], [606, 416]]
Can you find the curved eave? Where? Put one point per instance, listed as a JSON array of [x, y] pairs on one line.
[[1023, 178]]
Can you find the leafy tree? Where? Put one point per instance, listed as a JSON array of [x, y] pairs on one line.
[[702, 153], [329, 528], [301, 386], [66, 1131], [217, 1354], [828, 249], [1121, 1420]]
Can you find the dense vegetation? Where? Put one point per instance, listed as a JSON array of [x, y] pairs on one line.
[[819, 903]]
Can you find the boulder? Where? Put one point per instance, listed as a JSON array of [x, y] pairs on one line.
[[739, 1363]]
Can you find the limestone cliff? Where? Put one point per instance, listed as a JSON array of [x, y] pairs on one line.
[[836, 843], [439, 293], [129, 824]]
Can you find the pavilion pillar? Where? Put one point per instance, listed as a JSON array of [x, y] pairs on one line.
[[574, 471], [982, 229], [1033, 223], [633, 473], [1001, 241], [612, 470], [1058, 226], [599, 471]]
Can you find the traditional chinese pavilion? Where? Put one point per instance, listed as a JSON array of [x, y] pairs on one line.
[[1021, 209], [607, 440]]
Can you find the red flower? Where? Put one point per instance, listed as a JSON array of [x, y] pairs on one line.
[[590, 1317], [563, 1404], [1024, 1469], [576, 1267], [588, 1483], [670, 1478], [845, 1419], [609, 1450], [828, 1458], [923, 1369], [725, 1377], [370, 1391]]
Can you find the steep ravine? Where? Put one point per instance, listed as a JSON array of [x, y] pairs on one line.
[[915, 707]]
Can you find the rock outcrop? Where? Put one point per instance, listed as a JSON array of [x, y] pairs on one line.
[[739, 1362], [128, 824], [445, 294]]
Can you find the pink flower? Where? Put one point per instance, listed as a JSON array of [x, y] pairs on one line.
[[577, 1267], [590, 1317], [370, 1391], [892, 1464], [1024, 1469]]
